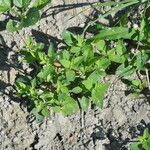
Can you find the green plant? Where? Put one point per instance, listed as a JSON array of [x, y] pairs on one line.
[[135, 86], [143, 142], [23, 13], [71, 78], [65, 81]]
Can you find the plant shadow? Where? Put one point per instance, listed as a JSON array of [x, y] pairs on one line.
[[118, 142]]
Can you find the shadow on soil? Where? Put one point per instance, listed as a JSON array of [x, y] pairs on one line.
[[8, 61], [117, 142], [60, 8]]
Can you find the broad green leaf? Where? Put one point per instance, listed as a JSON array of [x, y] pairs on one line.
[[76, 90], [135, 146], [121, 48], [47, 95], [94, 76], [77, 60], [39, 118], [32, 17], [41, 57], [66, 55], [21, 3], [75, 49], [51, 51], [136, 82], [115, 33], [103, 63], [24, 79], [84, 102], [70, 75], [98, 93], [88, 52], [88, 84], [41, 3], [70, 106], [80, 40], [13, 26], [115, 57], [141, 60], [64, 89], [101, 46], [146, 134], [46, 73], [122, 70], [5, 5], [45, 112], [33, 83], [65, 63], [27, 57], [68, 37]]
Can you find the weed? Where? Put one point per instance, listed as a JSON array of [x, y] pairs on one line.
[[143, 142], [70, 79], [23, 13]]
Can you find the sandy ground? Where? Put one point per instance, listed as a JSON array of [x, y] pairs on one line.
[[122, 119]]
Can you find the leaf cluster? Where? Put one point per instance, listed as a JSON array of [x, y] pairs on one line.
[[143, 142], [22, 13], [70, 79]]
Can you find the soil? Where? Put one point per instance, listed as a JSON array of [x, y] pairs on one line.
[[114, 127]]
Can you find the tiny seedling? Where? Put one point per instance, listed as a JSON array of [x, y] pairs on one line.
[[143, 142], [22, 13]]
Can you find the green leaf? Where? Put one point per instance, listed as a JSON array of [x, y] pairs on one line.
[[70, 106], [88, 52], [21, 3], [5, 5], [120, 48], [46, 73], [135, 146], [68, 37], [122, 70], [103, 63], [75, 49], [101, 46], [76, 90], [70, 75], [33, 83], [84, 102], [98, 94], [88, 84], [13, 26], [65, 63], [115, 33], [141, 60], [27, 57], [51, 51], [39, 118], [32, 17], [94, 76], [115, 57], [47, 96], [41, 3], [77, 60], [136, 82], [66, 55], [45, 112], [146, 134]]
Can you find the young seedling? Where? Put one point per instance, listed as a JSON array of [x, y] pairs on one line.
[[143, 142]]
